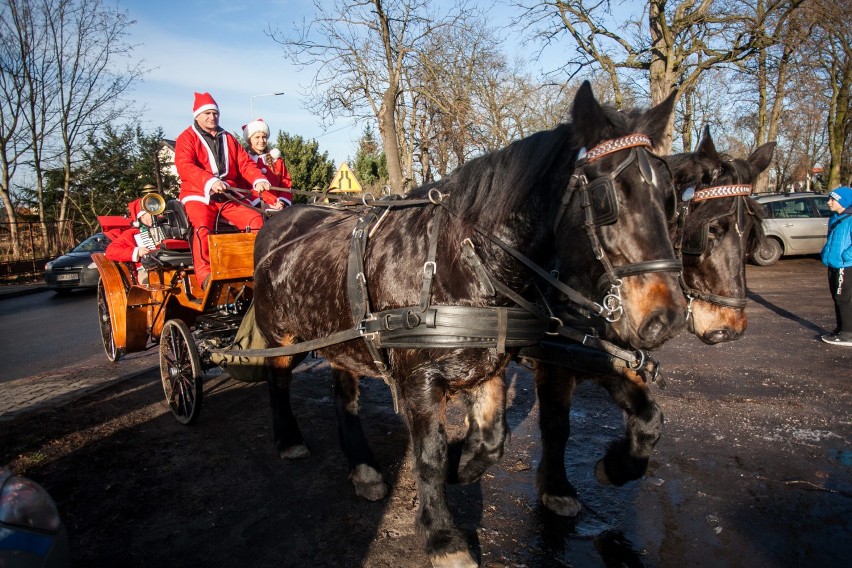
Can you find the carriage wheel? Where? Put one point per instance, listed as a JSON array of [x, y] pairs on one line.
[[112, 353], [180, 371]]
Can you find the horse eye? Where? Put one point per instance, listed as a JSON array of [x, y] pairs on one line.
[[715, 230]]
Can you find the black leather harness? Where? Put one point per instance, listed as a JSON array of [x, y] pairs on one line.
[[430, 326]]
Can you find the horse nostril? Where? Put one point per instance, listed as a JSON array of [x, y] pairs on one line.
[[715, 336], [660, 327]]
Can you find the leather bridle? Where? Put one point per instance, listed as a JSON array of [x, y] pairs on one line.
[[587, 190], [740, 193]]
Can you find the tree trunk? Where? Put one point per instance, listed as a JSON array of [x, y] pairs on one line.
[[390, 144], [662, 77]]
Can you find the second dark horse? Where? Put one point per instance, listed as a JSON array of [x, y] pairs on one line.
[[716, 231]]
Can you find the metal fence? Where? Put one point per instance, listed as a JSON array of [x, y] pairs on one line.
[[33, 244]]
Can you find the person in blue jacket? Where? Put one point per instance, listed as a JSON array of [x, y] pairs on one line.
[[837, 255]]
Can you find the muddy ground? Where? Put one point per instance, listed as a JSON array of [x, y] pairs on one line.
[[754, 467]]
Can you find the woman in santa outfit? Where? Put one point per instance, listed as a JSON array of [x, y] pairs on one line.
[[268, 160], [210, 161]]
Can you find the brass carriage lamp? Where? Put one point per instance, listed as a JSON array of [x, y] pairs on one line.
[[152, 202]]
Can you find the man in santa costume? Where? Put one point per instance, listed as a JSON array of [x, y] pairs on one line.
[[210, 161], [269, 161]]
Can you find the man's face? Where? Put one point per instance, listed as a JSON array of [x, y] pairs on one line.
[[835, 205], [208, 120], [258, 142]]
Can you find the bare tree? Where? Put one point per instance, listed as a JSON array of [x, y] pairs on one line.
[[68, 56], [13, 141], [681, 40], [832, 52], [360, 50], [88, 38]]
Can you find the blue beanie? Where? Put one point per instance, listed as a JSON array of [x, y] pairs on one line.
[[842, 195]]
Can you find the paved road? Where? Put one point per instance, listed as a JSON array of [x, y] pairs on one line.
[[754, 467], [63, 383]]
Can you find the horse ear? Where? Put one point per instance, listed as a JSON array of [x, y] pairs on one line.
[[761, 157], [587, 115], [706, 146], [656, 119]]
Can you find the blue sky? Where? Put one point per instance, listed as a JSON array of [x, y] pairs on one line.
[[220, 46]]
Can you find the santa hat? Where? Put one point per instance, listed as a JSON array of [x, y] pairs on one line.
[[135, 208], [203, 101], [842, 195], [254, 127]]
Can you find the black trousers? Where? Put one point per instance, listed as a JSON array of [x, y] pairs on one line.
[[840, 284]]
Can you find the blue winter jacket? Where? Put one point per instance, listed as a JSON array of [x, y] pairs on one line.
[[837, 252]]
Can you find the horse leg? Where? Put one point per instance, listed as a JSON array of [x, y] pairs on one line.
[[487, 432], [627, 459], [555, 389], [424, 404], [363, 469], [285, 430]]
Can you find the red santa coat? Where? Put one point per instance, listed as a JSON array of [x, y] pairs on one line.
[[124, 247], [277, 175], [198, 172]]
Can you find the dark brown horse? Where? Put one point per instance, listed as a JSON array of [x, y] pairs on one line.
[[715, 231], [432, 290]]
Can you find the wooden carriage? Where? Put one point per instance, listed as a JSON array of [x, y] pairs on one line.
[[169, 309]]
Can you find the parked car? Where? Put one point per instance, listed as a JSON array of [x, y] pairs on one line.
[[795, 223], [31, 531], [76, 269]]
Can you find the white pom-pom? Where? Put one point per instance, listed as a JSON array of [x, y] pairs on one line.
[[275, 153]]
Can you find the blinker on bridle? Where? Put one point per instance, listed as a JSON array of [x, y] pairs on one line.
[[600, 206]]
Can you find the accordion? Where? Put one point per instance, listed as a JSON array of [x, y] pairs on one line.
[[149, 237]]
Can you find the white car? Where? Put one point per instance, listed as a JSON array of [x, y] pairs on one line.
[[795, 223]]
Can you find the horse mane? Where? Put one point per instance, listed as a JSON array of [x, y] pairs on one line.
[[489, 189]]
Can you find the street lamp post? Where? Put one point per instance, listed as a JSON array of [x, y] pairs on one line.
[[251, 101]]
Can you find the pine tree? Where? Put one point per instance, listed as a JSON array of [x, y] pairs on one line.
[[370, 165], [309, 169]]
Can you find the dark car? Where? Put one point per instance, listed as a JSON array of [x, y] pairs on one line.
[[76, 269], [796, 223]]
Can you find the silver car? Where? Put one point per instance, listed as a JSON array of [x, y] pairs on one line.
[[795, 223]]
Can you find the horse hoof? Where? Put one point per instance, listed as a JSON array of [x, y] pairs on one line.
[[368, 483], [561, 504], [295, 452], [600, 474], [461, 559]]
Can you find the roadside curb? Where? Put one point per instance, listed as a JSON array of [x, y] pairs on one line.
[[35, 394], [17, 291]]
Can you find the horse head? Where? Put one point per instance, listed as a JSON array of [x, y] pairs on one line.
[[623, 194], [716, 230]]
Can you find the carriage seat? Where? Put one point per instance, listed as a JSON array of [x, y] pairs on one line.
[[174, 250]]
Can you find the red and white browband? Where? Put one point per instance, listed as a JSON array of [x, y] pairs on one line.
[[722, 191], [616, 144]]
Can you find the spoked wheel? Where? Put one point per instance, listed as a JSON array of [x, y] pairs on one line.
[[112, 353], [180, 371]]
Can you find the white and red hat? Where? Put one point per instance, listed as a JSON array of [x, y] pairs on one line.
[[203, 101], [254, 127]]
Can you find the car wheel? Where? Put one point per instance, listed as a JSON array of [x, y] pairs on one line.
[[769, 253]]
